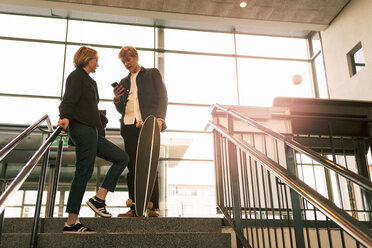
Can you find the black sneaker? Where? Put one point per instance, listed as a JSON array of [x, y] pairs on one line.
[[77, 228], [99, 207]]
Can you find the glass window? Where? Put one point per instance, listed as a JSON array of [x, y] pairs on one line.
[[33, 27], [112, 114], [321, 78], [260, 81], [191, 118], [186, 183], [356, 59], [110, 69], [266, 46], [87, 32], [31, 68], [197, 41], [200, 79], [26, 111], [186, 145]]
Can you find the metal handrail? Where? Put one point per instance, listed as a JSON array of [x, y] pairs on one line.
[[26, 170], [18, 181], [10, 146], [344, 220], [352, 176]]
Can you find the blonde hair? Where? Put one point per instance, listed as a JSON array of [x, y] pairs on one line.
[[83, 55], [126, 51]]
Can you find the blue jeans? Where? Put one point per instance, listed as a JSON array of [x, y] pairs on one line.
[[88, 145]]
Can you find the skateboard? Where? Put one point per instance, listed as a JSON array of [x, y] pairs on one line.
[[146, 165]]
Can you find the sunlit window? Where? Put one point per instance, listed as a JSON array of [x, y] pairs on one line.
[[33, 27], [88, 32], [197, 41], [260, 81], [200, 79], [267, 46], [31, 68]]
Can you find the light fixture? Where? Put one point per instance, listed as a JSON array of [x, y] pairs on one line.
[[243, 4]]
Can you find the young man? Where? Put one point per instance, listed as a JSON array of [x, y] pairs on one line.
[[140, 94]]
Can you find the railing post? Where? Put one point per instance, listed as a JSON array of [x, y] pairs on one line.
[[362, 165], [54, 181], [35, 225], [234, 172], [295, 200], [3, 187]]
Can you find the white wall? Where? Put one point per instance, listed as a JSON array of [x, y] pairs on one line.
[[353, 25]]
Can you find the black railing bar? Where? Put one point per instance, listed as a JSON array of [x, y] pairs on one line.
[[231, 221], [306, 224], [279, 192], [9, 147], [316, 226], [26, 170], [361, 181], [329, 209]]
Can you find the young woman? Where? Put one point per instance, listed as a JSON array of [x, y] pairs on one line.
[[79, 115]]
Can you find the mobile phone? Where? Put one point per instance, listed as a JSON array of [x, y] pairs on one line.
[[114, 84]]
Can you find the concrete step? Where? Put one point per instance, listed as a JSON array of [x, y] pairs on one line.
[[119, 232], [137, 225]]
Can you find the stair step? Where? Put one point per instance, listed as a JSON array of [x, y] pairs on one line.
[[125, 225], [153, 240]]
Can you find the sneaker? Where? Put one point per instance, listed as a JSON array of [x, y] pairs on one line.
[[154, 213], [77, 228], [99, 207], [130, 213]]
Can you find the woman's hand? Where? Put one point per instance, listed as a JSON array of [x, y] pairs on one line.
[[63, 123], [160, 123]]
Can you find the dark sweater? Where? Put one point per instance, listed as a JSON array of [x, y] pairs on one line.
[[80, 101], [152, 94]]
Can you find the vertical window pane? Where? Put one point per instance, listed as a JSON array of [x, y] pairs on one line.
[[200, 79], [271, 46], [320, 74], [110, 34], [189, 193], [187, 117], [197, 41], [31, 68], [112, 114], [260, 81], [33, 27], [187, 145], [315, 40]]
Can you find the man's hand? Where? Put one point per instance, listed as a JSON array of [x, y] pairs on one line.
[[118, 92]]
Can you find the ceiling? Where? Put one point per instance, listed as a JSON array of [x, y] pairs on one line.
[[294, 18]]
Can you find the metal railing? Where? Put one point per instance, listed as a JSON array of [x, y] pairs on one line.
[[259, 192], [42, 152]]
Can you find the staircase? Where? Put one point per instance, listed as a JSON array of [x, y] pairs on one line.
[[119, 232]]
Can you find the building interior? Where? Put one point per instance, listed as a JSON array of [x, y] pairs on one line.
[[208, 52]]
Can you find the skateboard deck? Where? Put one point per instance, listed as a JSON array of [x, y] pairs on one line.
[[146, 165]]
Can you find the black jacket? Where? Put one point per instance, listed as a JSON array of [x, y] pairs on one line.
[[152, 94], [80, 101]]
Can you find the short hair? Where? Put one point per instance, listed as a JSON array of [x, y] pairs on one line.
[[83, 55], [126, 51]]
